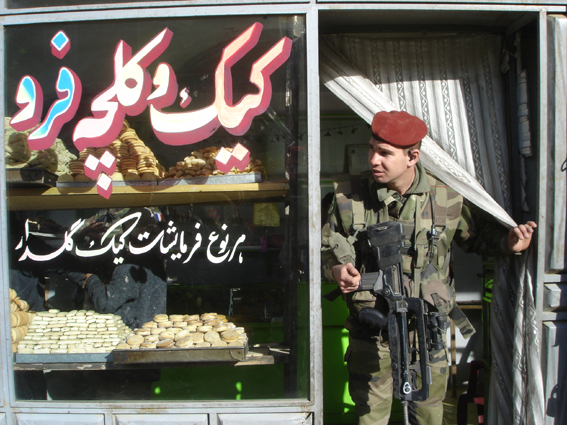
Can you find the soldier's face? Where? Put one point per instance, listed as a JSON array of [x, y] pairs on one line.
[[388, 163]]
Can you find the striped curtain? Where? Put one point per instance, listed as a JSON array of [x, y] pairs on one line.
[[454, 85]]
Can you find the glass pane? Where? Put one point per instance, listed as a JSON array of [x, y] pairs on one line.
[[207, 266]]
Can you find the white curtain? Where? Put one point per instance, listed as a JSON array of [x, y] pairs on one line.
[[453, 83]]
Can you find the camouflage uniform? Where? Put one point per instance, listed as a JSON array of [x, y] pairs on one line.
[[428, 208]]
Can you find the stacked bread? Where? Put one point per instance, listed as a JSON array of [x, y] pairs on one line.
[[76, 331], [55, 159], [16, 147], [137, 161], [186, 331], [134, 160], [20, 318], [201, 163]]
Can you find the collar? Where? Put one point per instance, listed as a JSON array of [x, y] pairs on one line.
[[420, 185]]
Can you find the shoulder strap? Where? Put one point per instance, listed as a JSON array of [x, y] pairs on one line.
[[350, 203]]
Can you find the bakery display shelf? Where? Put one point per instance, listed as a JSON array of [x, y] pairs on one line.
[[55, 198], [30, 177], [257, 354]]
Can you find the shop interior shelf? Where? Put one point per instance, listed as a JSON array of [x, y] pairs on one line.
[[37, 198], [258, 354]]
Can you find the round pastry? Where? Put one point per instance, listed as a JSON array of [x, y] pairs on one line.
[[221, 328], [202, 344], [166, 335], [129, 177], [165, 343], [135, 340], [197, 337], [82, 178], [219, 343], [184, 342], [123, 346], [230, 335], [204, 328], [160, 318], [211, 336], [148, 345], [184, 332], [63, 178]]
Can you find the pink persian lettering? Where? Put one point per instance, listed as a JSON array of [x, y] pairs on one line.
[[105, 127], [191, 127], [239, 158], [69, 89], [92, 167], [185, 98], [29, 98], [166, 83], [238, 118], [134, 82], [60, 44], [104, 186]]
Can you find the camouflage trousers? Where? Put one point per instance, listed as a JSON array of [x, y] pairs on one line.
[[370, 384]]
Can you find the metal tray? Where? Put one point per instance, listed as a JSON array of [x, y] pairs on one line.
[[181, 355], [115, 183], [30, 177], [224, 179], [64, 358]]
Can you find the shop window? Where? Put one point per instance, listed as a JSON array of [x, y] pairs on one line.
[[165, 160]]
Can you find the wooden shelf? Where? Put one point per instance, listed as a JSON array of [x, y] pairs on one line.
[[57, 198], [258, 354]]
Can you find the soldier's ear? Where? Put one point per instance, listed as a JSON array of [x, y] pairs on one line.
[[413, 156]]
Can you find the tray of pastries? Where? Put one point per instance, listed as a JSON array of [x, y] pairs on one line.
[[179, 338], [76, 336]]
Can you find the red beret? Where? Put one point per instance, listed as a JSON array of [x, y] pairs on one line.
[[398, 128]]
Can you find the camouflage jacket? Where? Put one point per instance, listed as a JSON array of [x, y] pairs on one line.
[[428, 208]]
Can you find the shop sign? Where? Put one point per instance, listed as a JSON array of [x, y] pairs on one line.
[[131, 93], [171, 241]]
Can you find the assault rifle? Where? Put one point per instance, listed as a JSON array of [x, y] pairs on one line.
[[386, 241]]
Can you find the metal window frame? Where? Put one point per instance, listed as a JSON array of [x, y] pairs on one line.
[[313, 403], [311, 10]]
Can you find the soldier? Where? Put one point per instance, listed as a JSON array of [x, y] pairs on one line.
[[398, 188]]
